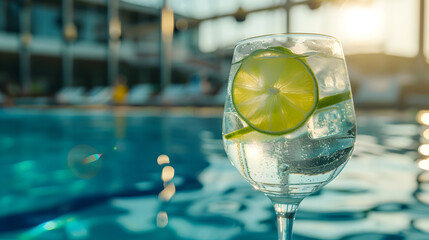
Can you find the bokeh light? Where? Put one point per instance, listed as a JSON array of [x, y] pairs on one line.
[[167, 173], [424, 149], [162, 219], [120, 146], [91, 158], [182, 24], [115, 29], [424, 164], [51, 225], [163, 159], [167, 23], [422, 224], [169, 189], [84, 161], [426, 134], [423, 197], [423, 177], [423, 117], [167, 192]]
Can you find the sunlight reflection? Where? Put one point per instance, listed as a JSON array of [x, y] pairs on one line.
[[424, 149], [423, 197], [423, 177], [422, 224], [424, 164], [167, 173], [362, 22], [162, 219], [167, 192], [50, 225], [423, 117], [426, 134], [163, 159]]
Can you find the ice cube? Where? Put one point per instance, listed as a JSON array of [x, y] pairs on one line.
[[348, 112], [331, 74], [232, 122], [326, 122], [244, 49], [261, 166]]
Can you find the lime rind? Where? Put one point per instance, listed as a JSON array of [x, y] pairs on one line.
[[277, 52], [333, 99], [286, 51]]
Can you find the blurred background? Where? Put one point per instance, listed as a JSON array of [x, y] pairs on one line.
[[111, 119], [178, 52]]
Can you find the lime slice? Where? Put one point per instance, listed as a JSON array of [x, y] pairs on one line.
[[274, 91]]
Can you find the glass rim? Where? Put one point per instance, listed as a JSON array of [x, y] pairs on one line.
[[266, 36]]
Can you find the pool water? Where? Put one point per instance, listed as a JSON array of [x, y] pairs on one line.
[[163, 174]]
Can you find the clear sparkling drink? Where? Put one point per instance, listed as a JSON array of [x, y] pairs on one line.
[[301, 161], [289, 123]]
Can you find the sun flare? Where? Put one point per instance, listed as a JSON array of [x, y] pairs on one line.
[[362, 23]]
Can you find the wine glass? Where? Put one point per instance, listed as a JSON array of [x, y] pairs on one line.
[[289, 124]]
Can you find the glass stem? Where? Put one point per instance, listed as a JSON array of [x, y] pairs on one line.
[[285, 218]]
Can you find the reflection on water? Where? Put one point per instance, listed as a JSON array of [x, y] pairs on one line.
[[167, 175], [422, 192], [424, 164], [426, 134], [423, 117], [161, 219], [163, 159], [88, 175], [424, 149]]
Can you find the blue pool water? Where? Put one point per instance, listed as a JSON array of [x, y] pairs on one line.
[[97, 174]]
